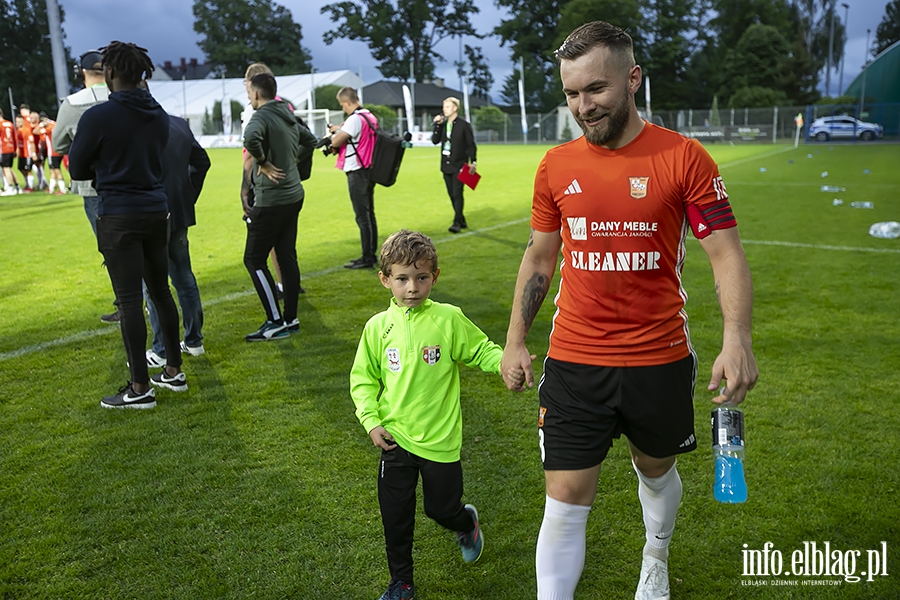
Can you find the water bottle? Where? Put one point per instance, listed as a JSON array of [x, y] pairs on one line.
[[862, 204], [888, 230], [728, 450]]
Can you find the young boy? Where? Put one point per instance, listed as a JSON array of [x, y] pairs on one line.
[[413, 350]]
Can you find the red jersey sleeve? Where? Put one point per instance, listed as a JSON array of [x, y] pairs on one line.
[[705, 199], [545, 214]]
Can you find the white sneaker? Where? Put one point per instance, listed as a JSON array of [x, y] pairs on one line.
[[192, 350], [654, 583], [154, 359]]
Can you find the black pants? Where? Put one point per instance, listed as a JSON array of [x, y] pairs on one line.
[[442, 488], [455, 190], [134, 246], [362, 197], [274, 227]]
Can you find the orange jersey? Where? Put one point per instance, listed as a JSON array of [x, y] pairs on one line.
[[47, 127], [621, 215], [8, 138]]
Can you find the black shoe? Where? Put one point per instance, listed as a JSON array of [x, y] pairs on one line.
[[455, 228], [300, 290], [128, 398], [293, 326], [360, 264], [279, 295], [111, 317], [269, 331], [176, 383]]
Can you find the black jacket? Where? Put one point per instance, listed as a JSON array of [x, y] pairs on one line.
[[462, 145], [185, 165], [119, 144]]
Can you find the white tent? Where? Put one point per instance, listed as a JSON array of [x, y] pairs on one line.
[[190, 99]]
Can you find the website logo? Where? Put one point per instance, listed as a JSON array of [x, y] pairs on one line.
[[812, 564]]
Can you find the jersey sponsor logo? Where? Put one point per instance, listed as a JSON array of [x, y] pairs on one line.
[[638, 186], [719, 187], [431, 354], [393, 358], [573, 188], [577, 227], [615, 261]]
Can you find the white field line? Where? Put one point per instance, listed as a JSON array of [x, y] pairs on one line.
[[235, 295]]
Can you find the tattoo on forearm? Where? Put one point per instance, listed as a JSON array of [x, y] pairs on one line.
[[533, 296], [719, 294], [530, 239]]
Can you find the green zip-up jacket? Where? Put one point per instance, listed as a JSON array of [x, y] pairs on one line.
[[415, 353], [273, 132]]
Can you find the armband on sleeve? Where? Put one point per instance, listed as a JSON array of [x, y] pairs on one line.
[[706, 219]]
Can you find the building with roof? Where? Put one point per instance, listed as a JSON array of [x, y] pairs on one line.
[[185, 70], [428, 98]]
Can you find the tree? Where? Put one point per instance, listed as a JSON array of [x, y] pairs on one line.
[[670, 27], [402, 31], [756, 61], [26, 63], [888, 31], [387, 116], [479, 72], [236, 33], [207, 127], [757, 97], [715, 120], [216, 118], [488, 118]]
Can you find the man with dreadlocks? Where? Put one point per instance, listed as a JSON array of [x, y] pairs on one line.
[[119, 144]]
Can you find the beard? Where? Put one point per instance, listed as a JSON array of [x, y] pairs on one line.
[[615, 123]]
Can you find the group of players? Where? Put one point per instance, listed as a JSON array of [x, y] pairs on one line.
[[30, 140]]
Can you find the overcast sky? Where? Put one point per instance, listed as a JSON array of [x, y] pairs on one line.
[[166, 29]]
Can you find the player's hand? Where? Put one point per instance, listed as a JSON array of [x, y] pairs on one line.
[[381, 438], [737, 367], [268, 169], [515, 367]]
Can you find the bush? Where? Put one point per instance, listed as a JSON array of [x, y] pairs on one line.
[[488, 118], [207, 127], [387, 116], [757, 97]]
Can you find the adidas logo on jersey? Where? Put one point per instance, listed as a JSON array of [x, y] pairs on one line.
[[573, 188], [691, 439], [701, 228]]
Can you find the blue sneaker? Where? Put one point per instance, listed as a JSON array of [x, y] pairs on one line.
[[399, 590], [471, 544]]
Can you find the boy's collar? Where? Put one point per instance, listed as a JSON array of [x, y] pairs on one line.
[[426, 303]]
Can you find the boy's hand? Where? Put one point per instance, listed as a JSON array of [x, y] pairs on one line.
[[382, 438]]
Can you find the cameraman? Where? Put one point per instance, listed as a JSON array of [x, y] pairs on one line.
[[353, 142]]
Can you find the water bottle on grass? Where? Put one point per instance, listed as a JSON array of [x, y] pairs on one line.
[[728, 450]]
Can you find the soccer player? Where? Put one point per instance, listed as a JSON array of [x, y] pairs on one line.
[[405, 384], [56, 176], [8, 145], [37, 136], [619, 202], [119, 144], [25, 150]]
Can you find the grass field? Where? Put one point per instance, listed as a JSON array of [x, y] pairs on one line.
[[260, 483]]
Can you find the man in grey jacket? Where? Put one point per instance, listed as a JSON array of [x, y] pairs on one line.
[[274, 139], [94, 92]]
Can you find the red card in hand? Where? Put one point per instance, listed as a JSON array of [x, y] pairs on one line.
[[470, 179]]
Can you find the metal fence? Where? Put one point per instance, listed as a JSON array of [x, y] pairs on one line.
[[743, 125]]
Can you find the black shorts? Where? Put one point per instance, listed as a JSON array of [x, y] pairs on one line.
[[24, 163], [6, 161], [585, 407], [55, 162]]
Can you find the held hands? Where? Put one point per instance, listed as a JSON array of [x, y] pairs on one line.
[[381, 438], [274, 174], [515, 368], [737, 366]]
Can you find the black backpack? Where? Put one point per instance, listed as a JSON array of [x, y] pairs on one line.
[[304, 159], [386, 156]]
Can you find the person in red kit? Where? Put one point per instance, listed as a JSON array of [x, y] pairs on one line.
[[619, 202]]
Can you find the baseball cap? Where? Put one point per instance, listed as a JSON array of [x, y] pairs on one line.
[[90, 60]]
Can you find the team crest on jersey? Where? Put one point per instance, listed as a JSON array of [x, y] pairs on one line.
[[431, 354], [393, 358], [638, 186]]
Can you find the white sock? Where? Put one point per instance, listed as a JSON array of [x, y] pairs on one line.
[[280, 287], [62, 185], [52, 184], [660, 498], [560, 549], [29, 181]]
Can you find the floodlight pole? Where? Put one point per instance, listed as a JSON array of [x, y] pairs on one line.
[[57, 51], [862, 93], [844, 51], [830, 53]]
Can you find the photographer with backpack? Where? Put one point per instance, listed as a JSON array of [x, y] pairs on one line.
[[354, 142]]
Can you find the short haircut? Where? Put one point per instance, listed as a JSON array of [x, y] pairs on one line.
[[24, 106], [407, 248], [130, 62], [265, 84], [349, 94], [455, 101], [256, 69], [597, 34]]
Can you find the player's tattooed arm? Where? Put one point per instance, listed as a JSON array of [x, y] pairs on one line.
[[533, 295]]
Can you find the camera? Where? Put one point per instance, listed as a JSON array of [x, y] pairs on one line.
[[325, 145]]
